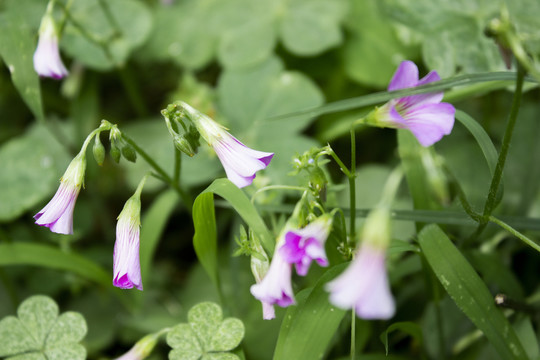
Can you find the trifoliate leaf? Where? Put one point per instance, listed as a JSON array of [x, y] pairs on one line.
[[39, 333], [206, 335]]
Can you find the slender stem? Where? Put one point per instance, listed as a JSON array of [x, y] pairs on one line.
[[183, 195], [342, 166], [353, 334], [516, 233], [352, 189], [177, 166], [496, 180]]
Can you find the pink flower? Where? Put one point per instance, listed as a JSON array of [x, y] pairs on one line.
[[57, 215], [240, 162], [47, 61], [307, 244], [424, 115], [275, 288], [126, 264], [364, 286]]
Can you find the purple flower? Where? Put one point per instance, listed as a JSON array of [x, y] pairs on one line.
[[240, 162], [275, 288], [47, 61], [424, 115], [57, 215], [307, 244], [364, 286], [127, 268]]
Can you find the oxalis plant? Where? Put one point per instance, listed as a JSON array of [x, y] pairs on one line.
[[263, 221]]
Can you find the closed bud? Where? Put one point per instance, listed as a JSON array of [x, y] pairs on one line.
[[115, 152], [317, 182], [184, 145], [129, 153], [99, 151]]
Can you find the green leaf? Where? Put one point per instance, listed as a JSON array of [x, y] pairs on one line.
[[47, 256], [205, 237], [34, 161], [309, 27], [469, 292], [206, 334], [17, 46], [309, 326], [407, 327], [45, 334], [129, 26]]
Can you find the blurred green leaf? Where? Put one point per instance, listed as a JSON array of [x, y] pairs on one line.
[[205, 237], [113, 38], [32, 165], [39, 333], [408, 327], [310, 325], [206, 335], [469, 292], [17, 46]]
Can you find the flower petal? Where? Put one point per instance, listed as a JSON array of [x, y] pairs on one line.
[[430, 122], [405, 76]]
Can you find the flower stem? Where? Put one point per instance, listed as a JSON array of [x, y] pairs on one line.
[[353, 334], [177, 166], [516, 233], [491, 201], [188, 202], [352, 189]]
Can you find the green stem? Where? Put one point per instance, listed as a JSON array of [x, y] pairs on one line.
[[342, 166], [276, 187], [177, 166], [497, 175], [353, 334], [516, 233], [188, 202], [352, 189]]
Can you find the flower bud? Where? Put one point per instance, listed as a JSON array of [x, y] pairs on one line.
[[129, 153], [115, 152], [99, 151], [184, 145]]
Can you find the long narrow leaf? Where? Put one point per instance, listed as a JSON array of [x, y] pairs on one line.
[[469, 292], [309, 326]]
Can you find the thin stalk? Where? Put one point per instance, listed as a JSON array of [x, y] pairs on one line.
[[352, 189], [516, 233], [353, 334], [276, 187], [188, 202], [177, 166]]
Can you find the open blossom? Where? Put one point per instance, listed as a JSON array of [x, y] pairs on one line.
[[275, 288], [303, 246], [424, 115], [126, 264], [47, 61], [240, 162], [57, 215], [364, 284]]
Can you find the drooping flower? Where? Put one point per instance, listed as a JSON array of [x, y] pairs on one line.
[[259, 268], [126, 264], [307, 244], [275, 288], [57, 215], [240, 162], [424, 115], [47, 61], [364, 284]]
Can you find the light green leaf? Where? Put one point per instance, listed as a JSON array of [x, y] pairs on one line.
[[130, 25], [17, 46], [205, 237], [309, 326], [46, 335], [469, 292], [33, 161], [206, 335], [309, 27], [228, 335]]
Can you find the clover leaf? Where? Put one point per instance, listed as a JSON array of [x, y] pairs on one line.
[[38, 333], [206, 336]]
